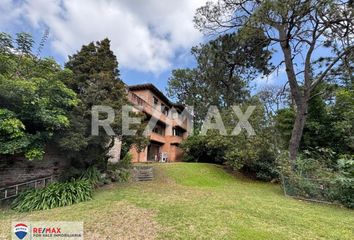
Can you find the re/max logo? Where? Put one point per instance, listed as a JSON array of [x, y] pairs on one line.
[[46, 230]]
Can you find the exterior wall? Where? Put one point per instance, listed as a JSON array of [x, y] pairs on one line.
[[147, 105], [17, 169], [136, 157], [169, 142], [176, 153]]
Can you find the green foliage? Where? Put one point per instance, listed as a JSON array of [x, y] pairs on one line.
[[125, 162], [342, 114], [121, 171], [34, 101], [92, 175], [54, 195], [119, 175], [24, 43], [254, 155], [281, 21], [329, 129], [12, 133], [224, 68], [34, 154], [140, 141], [96, 82], [214, 203], [345, 181], [311, 179], [197, 149]]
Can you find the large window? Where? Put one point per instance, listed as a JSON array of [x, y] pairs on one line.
[[178, 132], [159, 130]]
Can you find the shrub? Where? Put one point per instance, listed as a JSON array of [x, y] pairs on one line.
[[345, 182], [119, 175], [120, 172], [310, 179], [55, 195], [254, 156], [263, 166], [125, 162], [198, 149], [92, 175]]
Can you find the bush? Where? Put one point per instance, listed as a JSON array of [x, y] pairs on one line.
[[198, 149], [54, 195], [92, 175], [263, 166], [310, 179], [120, 172], [254, 156], [119, 175], [345, 182], [125, 162]]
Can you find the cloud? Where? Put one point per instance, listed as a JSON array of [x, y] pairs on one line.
[[145, 35], [9, 13], [275, 78]]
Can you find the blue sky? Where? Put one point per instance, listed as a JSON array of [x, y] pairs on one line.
[[149, 39]]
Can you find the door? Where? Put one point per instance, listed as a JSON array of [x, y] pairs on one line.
[[153, 152]]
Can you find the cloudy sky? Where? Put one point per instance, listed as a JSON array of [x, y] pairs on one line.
[[149, 37]]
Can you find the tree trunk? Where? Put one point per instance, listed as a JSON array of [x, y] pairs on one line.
[[298, 128]]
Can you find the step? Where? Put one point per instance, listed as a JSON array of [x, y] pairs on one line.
[[144, 174]]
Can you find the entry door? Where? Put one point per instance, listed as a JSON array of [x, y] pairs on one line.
[[153, 152]]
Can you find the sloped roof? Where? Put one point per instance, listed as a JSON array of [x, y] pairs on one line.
[[157, 92]]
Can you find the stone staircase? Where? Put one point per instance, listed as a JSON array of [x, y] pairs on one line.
[[144, 173]]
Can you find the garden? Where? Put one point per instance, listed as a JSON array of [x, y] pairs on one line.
[[196, 201]]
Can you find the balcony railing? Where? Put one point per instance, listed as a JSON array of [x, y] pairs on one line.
[[147, 107]]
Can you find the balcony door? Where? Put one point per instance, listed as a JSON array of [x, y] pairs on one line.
[[154, 152]]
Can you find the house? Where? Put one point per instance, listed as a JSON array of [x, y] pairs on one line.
[[170, 129]]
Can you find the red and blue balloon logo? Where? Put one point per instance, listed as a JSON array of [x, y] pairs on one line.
[[21, 230]]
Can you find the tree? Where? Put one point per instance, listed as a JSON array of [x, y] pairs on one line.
[[34, 101], [343, 121], [96, 82], [318, 132], [302, 30], [253, 155], [224, 68]]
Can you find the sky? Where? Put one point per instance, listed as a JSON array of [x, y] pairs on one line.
[[149, 37]]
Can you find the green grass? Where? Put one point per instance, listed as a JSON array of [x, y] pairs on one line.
[[197, 201]]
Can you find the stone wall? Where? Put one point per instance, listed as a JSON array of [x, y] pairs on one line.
[[17, 169]]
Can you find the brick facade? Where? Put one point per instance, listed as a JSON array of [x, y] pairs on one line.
[[164, 142]]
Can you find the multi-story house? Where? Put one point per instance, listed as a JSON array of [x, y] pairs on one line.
[[171, 124]]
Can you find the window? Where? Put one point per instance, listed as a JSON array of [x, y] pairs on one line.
[[178, 132], [164, 109], [159, 130], [156, 101]]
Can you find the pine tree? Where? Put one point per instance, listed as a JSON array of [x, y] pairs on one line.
[[96, 82]]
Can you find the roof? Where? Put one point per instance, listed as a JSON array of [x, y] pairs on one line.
[[157, 92]]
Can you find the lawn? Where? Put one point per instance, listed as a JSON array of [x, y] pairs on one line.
[[197, 201]]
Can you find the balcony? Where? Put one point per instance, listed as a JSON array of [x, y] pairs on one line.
[[174, 139], [179, 123], [147, 108], [157, 137]]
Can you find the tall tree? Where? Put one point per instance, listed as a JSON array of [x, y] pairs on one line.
[[302, 30], [96, 82], [224, 67]]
